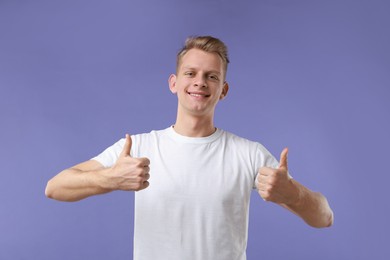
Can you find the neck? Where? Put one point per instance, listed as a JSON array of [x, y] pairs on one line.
[[193, 126]]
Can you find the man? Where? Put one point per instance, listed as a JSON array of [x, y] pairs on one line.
[[197, 204]]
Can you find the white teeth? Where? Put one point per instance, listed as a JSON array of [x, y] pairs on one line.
[[197, 95]]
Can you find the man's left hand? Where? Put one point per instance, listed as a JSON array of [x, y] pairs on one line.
[[275, 185]]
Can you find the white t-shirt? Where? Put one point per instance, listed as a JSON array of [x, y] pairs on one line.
[[197, 204]]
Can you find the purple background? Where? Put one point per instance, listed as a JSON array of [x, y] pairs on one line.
[[75, 76]]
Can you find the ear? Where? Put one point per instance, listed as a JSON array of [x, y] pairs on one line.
[[172, 83], [225, 90]]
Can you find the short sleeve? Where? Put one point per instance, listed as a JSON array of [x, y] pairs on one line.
[[264, 159], [109, 156]]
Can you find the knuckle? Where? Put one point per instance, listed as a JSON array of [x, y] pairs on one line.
[[142, 185], [270, 189], [145, 161], [138, 172], [263, 170], [266, 196], [138, 163], [137, 187]]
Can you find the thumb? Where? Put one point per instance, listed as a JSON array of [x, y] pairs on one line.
[[127, 147], [283, 159]]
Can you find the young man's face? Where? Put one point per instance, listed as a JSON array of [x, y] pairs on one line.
[[199, 83]]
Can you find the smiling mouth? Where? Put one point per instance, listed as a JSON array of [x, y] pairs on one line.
[[193, 94]]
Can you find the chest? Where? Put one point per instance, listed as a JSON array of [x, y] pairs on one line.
[[209, 174]]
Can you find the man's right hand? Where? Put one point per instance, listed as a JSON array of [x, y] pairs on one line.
[[129, 173], [92, 178]]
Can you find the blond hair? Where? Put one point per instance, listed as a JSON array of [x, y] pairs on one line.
[[207, 44]]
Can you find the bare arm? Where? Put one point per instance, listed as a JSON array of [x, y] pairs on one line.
[[311, 206], [276, 186], [91, 178], [79, 182]]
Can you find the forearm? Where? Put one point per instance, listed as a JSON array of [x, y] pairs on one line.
[[74, 184], [311, 206]]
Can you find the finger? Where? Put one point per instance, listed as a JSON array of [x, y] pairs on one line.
[[263, 195], [145, 184], [283, 159], [127, 147], [146, 169], [261, 180], [144, 161], [265, 171], [261, 187]]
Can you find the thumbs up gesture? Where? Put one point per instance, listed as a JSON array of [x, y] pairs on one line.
[[129, 173], [275, 184]]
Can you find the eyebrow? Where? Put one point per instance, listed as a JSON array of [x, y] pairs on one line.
[[194, 68]]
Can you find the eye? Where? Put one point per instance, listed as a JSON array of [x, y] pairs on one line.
[[213, 77], [189, 73]]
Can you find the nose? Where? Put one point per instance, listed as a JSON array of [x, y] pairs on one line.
[[200, 81]]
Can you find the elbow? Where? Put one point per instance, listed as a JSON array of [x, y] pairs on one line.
[[326, 218], [49, 190], [58, 188], [330, 219], [327, 221], [54, 192]]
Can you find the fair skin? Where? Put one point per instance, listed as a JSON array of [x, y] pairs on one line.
[[91, 178], [275, 185], [199, 85]]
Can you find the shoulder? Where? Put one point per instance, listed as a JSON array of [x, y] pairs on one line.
[[151, 135], [244, 144], [238, 140], [242, 147], [145, 142]]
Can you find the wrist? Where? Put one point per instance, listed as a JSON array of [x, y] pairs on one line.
[[296, 197], [103, 179]]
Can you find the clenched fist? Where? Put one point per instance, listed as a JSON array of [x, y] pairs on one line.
[[129, 173], [275, 185]]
